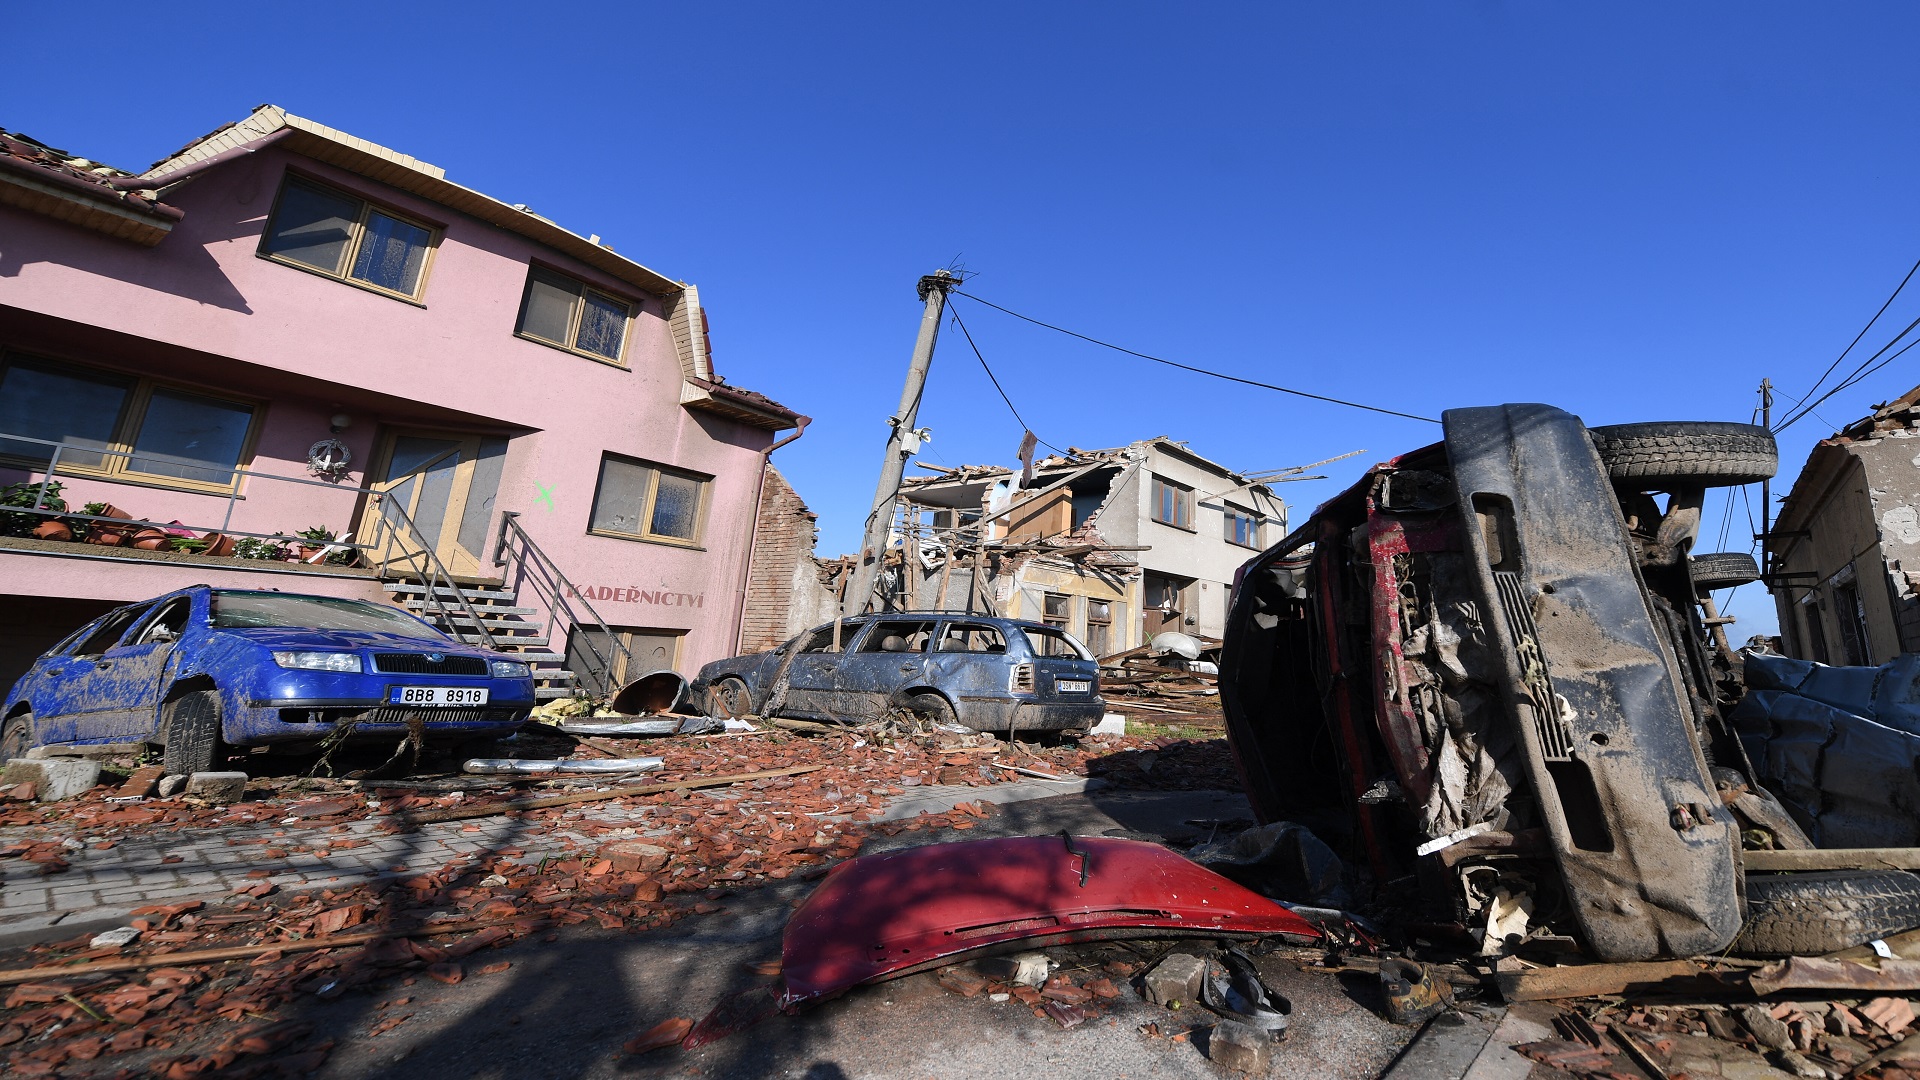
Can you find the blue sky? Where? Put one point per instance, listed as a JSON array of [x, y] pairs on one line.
[[1633, 211]]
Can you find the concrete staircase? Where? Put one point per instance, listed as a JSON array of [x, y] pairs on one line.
[[512, 632]]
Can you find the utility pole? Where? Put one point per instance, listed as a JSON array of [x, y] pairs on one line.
[[901, 443], [1766, 486]]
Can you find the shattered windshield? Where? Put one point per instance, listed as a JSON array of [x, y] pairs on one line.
[[254, 609], [1051, 642]]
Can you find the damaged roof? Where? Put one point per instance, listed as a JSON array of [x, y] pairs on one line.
[[1828, 455], [322, 143], [43, 180]]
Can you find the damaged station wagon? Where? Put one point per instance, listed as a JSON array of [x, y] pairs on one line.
[[981, 672], [1488, 674]]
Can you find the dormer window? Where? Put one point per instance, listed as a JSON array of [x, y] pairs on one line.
[[568, 314], [330, 232]]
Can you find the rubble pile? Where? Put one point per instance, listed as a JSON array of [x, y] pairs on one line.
[[1163, 687], [150, 999]]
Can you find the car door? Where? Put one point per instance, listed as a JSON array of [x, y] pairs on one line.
[[969, 662], [70, 709], [810, 677], [128, 676], [890, 657]]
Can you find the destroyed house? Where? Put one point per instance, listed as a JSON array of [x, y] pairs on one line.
[[288, 358], [1843, 557], [1113, 545]]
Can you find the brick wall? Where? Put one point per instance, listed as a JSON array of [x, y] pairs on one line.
[[784, 537]]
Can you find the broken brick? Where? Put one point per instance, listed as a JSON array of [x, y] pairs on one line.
[[663, 1034]]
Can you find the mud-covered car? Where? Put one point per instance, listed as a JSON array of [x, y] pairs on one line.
[[203, 670], [986, 673], [1484, 675]]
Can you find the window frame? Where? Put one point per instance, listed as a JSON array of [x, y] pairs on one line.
[[118, 455], [1062, 620], [1105, 624], [633, 308], [656, 470], [358, 235], [1234, 513], [1183, 503]]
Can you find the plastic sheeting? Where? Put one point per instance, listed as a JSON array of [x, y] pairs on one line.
[[1840, 746]]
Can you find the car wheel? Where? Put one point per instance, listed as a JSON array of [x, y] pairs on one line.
[[1812, 914], [932, 708], [1698, 453], [1724, 570], [193, 734], [728, 699], [16, 737]]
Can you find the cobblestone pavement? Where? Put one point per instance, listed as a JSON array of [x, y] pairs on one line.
[[158, 866]]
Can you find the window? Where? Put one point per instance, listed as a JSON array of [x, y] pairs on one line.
[[594, 654], [972, 637], [168, 625], [898, 637], [1243, 527], [1099, 627], [566, 314], [1172, 504], [1852, 618], [829, 638], [641, 501], [1051, 642], [336, 234], [121, 425], [1056, 610], [107, 634]]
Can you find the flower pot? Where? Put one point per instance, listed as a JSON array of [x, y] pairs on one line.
[[106, 535], [52, 529], [150, 539], [299, 552], [218, 544]]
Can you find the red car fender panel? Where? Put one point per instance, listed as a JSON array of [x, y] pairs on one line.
[[882, 916]]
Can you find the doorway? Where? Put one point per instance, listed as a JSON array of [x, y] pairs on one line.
[[446, 483]]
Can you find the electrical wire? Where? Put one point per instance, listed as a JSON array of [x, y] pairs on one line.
[[1858, 374], [1811, 390], [1190, 367], [957, 321]]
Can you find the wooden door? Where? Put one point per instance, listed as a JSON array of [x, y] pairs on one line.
[[444, 482]]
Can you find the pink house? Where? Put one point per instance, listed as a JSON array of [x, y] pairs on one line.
[[504, 425]]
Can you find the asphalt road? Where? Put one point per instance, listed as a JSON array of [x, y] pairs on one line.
[[566, 1006]]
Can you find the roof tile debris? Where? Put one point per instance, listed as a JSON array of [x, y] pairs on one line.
[[23, 156]]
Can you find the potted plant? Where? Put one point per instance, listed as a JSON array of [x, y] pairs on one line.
[[255, 547], [315, 540], [186, 545], [152, 538], [217, 544], [105, 533], [22, 523]]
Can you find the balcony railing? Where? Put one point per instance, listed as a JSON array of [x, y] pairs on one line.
[[397, 548]]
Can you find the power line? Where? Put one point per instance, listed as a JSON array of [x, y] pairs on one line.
[[1855, 377], [1863, 332], [1190, 367], [957, 321]]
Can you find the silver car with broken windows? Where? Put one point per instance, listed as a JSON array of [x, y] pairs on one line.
[[985, 673]]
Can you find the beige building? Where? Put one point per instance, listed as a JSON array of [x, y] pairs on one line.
[[1844, 555]]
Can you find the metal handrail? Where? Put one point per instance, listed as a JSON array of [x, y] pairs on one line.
[[232, 495], [559, 594], [436, 571]]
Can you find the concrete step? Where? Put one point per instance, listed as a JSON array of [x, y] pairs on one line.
[[548, 693], [472, 592], [420, 606]]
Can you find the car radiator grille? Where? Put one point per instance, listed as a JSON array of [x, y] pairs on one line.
[[410, 663], [1556, 739], [399, 715]]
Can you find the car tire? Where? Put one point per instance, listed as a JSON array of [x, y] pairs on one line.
[[1818, 913], [1724, 570], [1690, 453], [932, 708], [729, 698], [16, 737], [193, 734]]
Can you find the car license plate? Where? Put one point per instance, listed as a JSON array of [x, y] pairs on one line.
[[439, 695], [1072, 686]]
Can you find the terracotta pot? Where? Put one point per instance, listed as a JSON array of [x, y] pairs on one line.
[[219, 544], [150, 539], [106, 535], [299, 552], [113, 511], [52, 529]]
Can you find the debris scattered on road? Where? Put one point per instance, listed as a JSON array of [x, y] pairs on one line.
[[492, 766]]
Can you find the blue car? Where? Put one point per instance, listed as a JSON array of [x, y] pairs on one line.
[[203, 670]]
